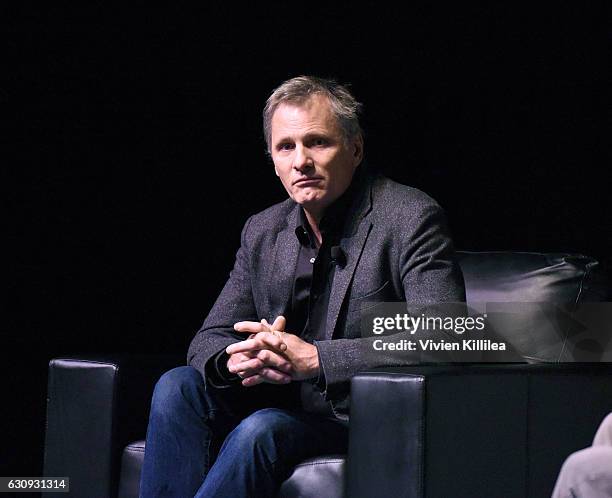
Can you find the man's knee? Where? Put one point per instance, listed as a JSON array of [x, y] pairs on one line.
[[174, 388], [261, 429]]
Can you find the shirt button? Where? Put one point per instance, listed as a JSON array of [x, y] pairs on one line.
[[312, 260]]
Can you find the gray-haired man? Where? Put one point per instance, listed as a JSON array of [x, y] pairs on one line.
[[268, 381]]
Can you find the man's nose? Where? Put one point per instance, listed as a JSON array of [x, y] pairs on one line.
[[302, 160]]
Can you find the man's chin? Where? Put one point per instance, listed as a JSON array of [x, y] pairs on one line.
[[310, 204], [309, 201]]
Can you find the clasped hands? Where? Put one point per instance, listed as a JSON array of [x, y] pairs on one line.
[[271, 355]]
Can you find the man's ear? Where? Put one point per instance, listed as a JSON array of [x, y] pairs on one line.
[[358, 149]]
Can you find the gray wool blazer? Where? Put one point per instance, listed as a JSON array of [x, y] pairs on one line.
[[397, 248]]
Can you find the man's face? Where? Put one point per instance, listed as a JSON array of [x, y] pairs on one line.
[[310, 155]]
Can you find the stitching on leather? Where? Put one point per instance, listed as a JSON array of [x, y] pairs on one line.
[[583, 279], [585, 275], [94, 362], [310, 464]]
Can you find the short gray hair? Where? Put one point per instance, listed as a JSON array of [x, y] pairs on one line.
[[298, 90]]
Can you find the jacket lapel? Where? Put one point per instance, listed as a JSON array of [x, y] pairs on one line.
[[352, 243], [280, 278]]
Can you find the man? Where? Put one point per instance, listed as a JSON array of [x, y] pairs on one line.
[[268, 381]]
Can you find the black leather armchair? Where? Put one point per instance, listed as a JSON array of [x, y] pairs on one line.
[[494, 430]]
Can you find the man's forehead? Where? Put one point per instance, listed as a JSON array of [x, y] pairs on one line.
[[307, 102], [318, 106]]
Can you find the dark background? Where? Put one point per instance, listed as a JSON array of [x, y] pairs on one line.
[[134, 154]]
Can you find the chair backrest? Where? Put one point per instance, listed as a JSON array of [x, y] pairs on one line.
[[530, 277], [542, 332]]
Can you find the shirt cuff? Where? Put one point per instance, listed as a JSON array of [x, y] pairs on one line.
[[319, 381], [217, 373]]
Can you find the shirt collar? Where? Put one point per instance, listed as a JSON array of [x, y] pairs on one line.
[[334, 216], [303, 231]]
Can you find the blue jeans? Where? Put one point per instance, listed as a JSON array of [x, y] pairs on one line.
[[218, 443]]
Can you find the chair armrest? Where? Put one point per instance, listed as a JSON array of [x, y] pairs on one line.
[[95, 406], [471, 430]]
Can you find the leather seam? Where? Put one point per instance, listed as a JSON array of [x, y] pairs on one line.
[[587, 272], [94, 362], [311, 464], [576, 301], [115, 468]]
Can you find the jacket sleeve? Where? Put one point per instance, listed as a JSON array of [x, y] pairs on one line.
[[428, 267], [429, 275], [234, 304]]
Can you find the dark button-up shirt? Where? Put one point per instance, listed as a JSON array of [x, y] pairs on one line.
[[313, 280]]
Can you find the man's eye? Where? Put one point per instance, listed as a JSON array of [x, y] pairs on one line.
[[285, 146], [319, 142]]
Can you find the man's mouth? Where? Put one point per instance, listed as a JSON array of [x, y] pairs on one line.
[[305, 182]]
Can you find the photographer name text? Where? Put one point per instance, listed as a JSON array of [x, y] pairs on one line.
[[441, 345]]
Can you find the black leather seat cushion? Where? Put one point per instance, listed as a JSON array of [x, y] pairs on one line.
[[313, 478], [316, 477], [131, 464]]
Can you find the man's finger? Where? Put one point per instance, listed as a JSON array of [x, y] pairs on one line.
[[276, 333], [251, 327], [263, 326], [273, 341], [273, 376], [264, 358], [260, 341], [239, 357], [247, 368], [269, 375], [248, 345], [279, 323], [252, 381], [275, 360]]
